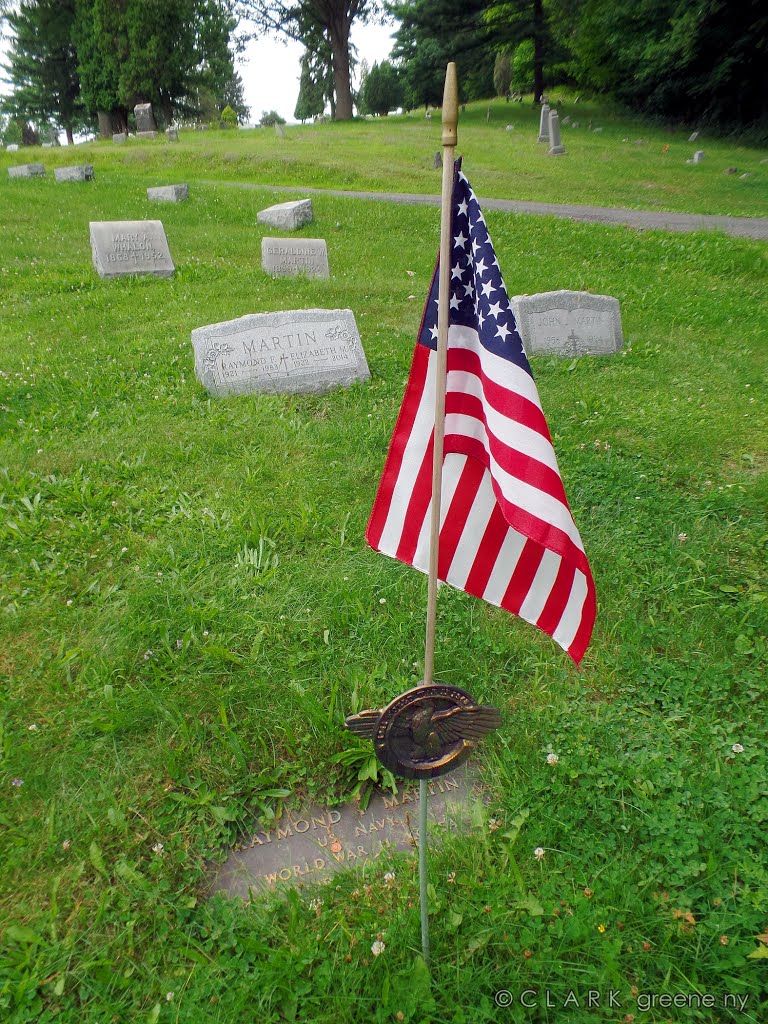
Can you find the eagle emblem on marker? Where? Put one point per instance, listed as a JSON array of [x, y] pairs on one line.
[[427, 731]]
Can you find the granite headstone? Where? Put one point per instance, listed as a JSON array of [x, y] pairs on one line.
[[172, 134], [310, 845], [119, 138], [566, 323], [145, 119], [295, 351], [168, 193], [544, 124], [283, 257], [12, 147], [555, 146], [77, 172], [287, 216], [27, 171], [130, 247]]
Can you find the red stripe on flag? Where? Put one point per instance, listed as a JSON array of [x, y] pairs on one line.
[[509, 403], [456, 517], [584, 632], [523, 576], [418, 503], [487, 553], [402, 432], [556, 603]]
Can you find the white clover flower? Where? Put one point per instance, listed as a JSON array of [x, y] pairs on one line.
[[378, 947], [169, 996], [382, 600], [493, 824], [389, 877], [33, 727], [66, 844], [538, 853], [158, 848], [69, 602], [552, 758], [737, 748], [682, 537]]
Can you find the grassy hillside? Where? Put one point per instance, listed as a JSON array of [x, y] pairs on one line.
[[161, 691]]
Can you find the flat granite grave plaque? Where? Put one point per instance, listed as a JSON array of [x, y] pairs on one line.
[[168, 193], [27, 171], [130, 247], [282, 257], [568, 323], [308, 846], [287, 216], [295, 351], [78, 172]]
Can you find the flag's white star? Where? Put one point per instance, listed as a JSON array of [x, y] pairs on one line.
[[480, 267], [469, 289], [460, 239], [462, 176], [480, 318], [502, 332], [475, 246], [456, 271], [495, 309], [462, 207], [486, 289], [480, 219], [454, 304], [433, 332]]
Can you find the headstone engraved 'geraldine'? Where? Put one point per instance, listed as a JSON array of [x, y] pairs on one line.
[[294, 351], [283, 257], [310, 845], [567, 323], [130, 247]]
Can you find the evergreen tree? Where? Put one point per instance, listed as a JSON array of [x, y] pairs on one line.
[[311, 101], [382, 91]]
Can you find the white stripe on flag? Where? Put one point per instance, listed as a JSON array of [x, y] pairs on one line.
[[504, 372], [540, 589], [571, 618], [504, 566], [472, 534]]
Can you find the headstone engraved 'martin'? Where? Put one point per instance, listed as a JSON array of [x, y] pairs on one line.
[[130, 247], [293, 351], [568, 323], [283, 257], [287, 216], [310, 845], [77, 172], [27, 171], [168, 193]]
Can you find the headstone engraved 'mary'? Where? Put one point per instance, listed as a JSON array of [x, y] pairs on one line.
[[130, 247], [294, 351], [566, 323], [310, 845], [283, 257], [287, 216]]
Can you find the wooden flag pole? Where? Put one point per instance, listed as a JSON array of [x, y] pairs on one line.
[[450, 121]]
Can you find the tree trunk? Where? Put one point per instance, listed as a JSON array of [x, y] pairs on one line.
[[105, 124], [339, 38], [167, 108], [538, 50], [70, 137]]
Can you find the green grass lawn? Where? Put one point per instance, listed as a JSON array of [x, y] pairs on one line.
[[160, 692], [624, 164]]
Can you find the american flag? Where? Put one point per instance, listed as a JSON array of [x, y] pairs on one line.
[[507, 534]]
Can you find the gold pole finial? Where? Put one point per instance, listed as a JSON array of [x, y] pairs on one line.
[[450, 106]]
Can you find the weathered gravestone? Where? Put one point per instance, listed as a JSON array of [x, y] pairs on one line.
[[77, 172], [287, 216], [119, 138], [437, 160], [308, 846], [282, 257], [544, 124], [12, 147], [27, 171], [145, 119], [555, 148], [168, 193], [698, 156], [566, 323], [130, 247], [172, 134], [294, 351]]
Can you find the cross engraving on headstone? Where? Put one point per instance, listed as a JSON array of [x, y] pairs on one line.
[[573, 339]]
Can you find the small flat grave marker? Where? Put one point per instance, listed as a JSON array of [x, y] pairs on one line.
[[168, 193], [12, 147], [282, 257], [287, 216], [119, 138], [566, 323], [130, 247], [310, 845], [293, 351], [77, 172], [27, 171]]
